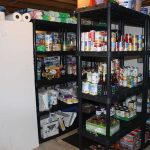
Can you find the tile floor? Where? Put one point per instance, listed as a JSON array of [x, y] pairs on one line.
[[59, 144]]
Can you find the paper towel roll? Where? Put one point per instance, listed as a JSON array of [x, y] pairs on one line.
[[14, 17], [26, 17], [2, 16]]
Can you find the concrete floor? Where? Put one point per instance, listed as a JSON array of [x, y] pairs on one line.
[[59, 144]]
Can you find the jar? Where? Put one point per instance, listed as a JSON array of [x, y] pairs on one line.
[[122, 112], [127, 114], [131, 105], [89, 76]]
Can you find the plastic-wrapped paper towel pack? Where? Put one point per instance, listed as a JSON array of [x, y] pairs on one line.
[[19, 17]]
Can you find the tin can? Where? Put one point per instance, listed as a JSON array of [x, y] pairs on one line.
[[120, 46], [140, 38], [85, 87], [94, 77], [126, 46], [135, 47], [92, 34], [82, 41], [113, 37], [48, 42], [140, 46], [93, 89], [130, 47], [113, 46]]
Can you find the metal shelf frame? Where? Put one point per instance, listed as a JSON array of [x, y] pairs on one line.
[[111, 13], [54, 27]]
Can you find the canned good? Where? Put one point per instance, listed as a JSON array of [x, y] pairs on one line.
[[130, 47], [126, 46], [135, 39], [85, 87], [93, 89], [113, 37], [140, 46], [48, 42], [113, 46], [135, 47], [120, 46], [94, 77]]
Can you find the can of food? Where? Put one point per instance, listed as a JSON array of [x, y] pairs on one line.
[[135, 39], [93, 89], [85, 87], [140, 38], [92, 34], [117, 46], [120, 46], [135, 47], [94, 77], [140, 46], [130, 47], [113, 46], [126, 46], [48, 42], [113, 37]]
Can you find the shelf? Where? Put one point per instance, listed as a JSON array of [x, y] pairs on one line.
[[125, 128], [61, 80], [115, 54], [92, 54], [55, 53], [123, 93], [127, 53], [97, 13], [53, 26]]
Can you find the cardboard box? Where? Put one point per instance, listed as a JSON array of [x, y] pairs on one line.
[[85, 3], [50, 129]]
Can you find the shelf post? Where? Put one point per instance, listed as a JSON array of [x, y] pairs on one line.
[[79, 79], [108, 70], [145, 81], [121, 28]]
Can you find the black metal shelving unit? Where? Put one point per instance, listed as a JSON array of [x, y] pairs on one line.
[[52, 27], [112, 14]]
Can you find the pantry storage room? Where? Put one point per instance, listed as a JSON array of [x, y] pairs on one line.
[[75, 75]]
